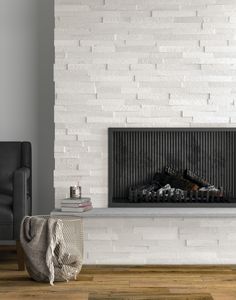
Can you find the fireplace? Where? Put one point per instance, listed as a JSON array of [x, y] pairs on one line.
[[166, 167]]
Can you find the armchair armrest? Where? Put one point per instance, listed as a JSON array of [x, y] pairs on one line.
[[21, 205]]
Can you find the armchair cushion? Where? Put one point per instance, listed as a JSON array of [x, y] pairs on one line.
[[10, 160], [6, 222], [6, 200], [15, 187]]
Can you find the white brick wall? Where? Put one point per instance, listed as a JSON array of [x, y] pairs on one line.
[[134, 63], [160, 241]]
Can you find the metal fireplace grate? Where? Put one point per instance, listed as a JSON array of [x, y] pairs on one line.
[[136, 154], [168, 197]]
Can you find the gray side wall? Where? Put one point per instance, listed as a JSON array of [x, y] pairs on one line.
[[26, 87]]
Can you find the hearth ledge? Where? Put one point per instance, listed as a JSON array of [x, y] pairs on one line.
[[153, 212]]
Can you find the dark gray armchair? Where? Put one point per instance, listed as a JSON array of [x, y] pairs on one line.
[[15, 189]]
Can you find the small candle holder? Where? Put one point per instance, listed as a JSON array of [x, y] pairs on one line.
[[75, 191]]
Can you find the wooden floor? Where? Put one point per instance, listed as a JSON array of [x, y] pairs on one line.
[[106, 282]]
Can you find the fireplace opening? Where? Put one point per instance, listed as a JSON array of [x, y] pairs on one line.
[[172, 167]]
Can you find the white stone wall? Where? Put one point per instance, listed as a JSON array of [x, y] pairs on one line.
[[160, 240], [135, 63]]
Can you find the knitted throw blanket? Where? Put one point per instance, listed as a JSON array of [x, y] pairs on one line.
[[46, 255]]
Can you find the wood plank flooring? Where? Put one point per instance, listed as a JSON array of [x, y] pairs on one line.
[[125, 283]]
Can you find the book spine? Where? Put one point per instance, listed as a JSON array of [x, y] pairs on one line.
[[80, 209], [79, 201], [74, 205]]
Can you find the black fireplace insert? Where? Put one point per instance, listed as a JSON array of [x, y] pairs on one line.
[[172, 167]]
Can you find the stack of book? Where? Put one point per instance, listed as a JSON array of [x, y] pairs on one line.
[[76, 205]]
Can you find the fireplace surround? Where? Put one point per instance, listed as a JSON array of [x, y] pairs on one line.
[[136, 154]]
